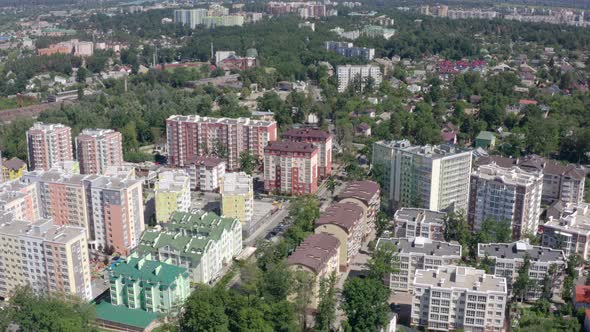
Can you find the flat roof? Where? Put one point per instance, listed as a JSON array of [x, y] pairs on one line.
[[518, 250], [423, 245], [230, 121], [461, 277], [419, 215]]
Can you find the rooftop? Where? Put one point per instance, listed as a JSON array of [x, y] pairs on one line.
[[229, 121], [315, 251], [172, 181], [344, 215], [96, 132], [518, 250], [125, 316], [575, 219], [40, 229], [429, 151], [237, 183], [424, 246], [288, 146], [487, 135], [534, 162], [364, 191], [582, 294], [145, 269], [510, 176], [208, 162], [14, 164], [306, 133], [461, 277], [419, 215]]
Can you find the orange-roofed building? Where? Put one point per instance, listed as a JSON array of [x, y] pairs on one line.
[[54, 50]]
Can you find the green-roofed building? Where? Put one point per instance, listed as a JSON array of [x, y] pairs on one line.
[[485, 140], [147, 284], [199, 241]]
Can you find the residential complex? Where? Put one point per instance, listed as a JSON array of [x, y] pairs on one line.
[[345, 222], [367, 195], [508, 258], [98, 149], [458, 297], [20, 200], [506, 194], [317, 137], [190, 17], [303, 9], [319, 255], [569, 232], [237, 197], [48, 145], [291, 167], [206, 173], [172, 193], [412, 222], [560, 182], [146, 284], [192, 136], [433, 177], [47, 257], [348, 50], [418, 253], [202, 242], [358, 74]]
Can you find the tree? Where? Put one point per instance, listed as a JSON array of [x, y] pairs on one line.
[[382, 223], [81, 75], [331, 185], [303, 294], [326, 311], [247, 162], [523, 282], [382, 261], [365, 304], [204, 312], [456, 228]]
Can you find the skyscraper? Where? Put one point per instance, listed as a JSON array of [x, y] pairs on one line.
[[48, 145], [98, 149]]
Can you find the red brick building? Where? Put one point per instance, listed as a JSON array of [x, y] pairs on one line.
[[291, 167], [317, 137]]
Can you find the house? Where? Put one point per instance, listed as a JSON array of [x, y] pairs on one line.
[[449, 134], [363, 129], [13, 169], [485, 140]]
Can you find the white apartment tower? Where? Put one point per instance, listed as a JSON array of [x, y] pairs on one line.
[[434, 177], [348, 73], [502, 194]]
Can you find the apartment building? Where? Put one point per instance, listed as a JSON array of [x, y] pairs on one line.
[[303, 9], [20, 200], [569, 232], [237, 197], [47, 257], [318, 254], [199, 241], [61, 197], [508, 258], [291, 168], [192, 136], [345, 222], [560, 182], [367, 195], [190, 17], [360, 74], [418, 253], [434, 177], [48, 144], [505, 194], [412, 222], [206, 173], [317, 137], [139, 282], [172, 193], [98, 149], [348, 50], [115, 207], [458, 297]]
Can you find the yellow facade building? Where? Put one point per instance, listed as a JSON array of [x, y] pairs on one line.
[[237, 197], [172, 193], [13, 169]]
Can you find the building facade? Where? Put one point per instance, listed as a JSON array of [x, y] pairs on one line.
[[319, 255], [237, 197], [317, 137], [47, 257], [508, 259], [367, 195], [291, 168], [172, 193], [430, 177], [345, 222], [412, 222], [48, 144], [349, 74], [150, 285], [569, 232], [458, 297], [206, 173], [418, 254], [20, 200], [503, 194], [98, 149], [192, 136], [202, 242]]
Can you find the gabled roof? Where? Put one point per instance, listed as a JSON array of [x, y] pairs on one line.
[[14, 164]]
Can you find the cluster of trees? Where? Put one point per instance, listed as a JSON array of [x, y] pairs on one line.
[[43, 313]]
